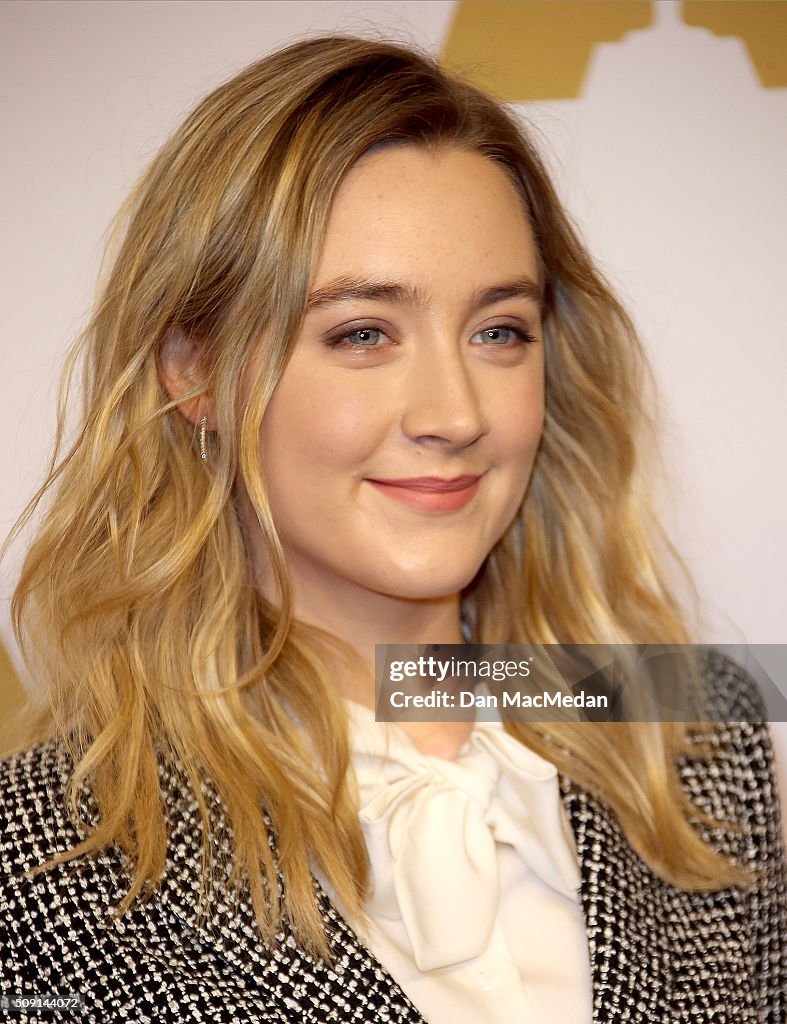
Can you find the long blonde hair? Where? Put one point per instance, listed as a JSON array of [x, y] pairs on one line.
[[136, 605]]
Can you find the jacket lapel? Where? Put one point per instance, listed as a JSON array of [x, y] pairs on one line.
[[624, 940], [353, 987]]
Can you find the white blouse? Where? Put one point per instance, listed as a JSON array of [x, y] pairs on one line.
[[474, 906]]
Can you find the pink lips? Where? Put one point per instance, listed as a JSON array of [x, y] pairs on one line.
[[431, 493]]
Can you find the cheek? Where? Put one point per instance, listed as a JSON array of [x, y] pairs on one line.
[[315, 424], [519, 421]]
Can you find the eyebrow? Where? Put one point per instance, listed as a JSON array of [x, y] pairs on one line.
[[344, 289]]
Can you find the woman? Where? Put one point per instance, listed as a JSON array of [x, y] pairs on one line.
[[353, 379]]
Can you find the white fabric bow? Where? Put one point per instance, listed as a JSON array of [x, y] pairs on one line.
[[431, 826]]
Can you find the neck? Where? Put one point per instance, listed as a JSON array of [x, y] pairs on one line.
[[365, 619], [369, 619]]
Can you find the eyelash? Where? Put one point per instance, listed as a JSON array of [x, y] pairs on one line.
[[338, 340], [523, 337]]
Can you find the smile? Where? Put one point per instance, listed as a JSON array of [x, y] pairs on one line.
[[431, 493]]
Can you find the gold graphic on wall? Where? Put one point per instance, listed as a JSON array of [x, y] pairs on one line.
[[536, 50], [11, 695], [761, 25]]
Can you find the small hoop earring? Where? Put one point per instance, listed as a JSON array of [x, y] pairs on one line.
[[203, 433]]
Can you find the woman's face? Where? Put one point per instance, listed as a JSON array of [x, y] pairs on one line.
[[397, 447]]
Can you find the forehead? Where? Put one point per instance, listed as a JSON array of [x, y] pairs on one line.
[[433, 215]]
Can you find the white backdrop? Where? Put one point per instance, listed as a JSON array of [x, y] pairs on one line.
[[671, 161]]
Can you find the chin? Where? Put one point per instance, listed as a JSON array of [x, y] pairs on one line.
[[426, 585]]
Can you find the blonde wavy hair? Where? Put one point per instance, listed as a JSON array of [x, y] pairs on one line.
[[136, 606]]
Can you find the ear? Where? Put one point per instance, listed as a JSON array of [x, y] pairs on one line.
[[182, 371]]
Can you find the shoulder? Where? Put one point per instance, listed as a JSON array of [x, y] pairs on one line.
[[52, 920], [731, 693], [42, 900], [736, 726], [33, 807], [38, 825], [728, 768]]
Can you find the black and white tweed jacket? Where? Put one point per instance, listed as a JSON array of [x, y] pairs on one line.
[[657, 953]]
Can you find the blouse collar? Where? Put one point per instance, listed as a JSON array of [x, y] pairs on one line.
[[431, 827]]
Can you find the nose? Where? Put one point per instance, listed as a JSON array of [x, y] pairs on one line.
[[443, 405]]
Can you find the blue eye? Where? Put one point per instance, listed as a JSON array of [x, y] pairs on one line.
[[498, 335], [366, 336], [503, 335]]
